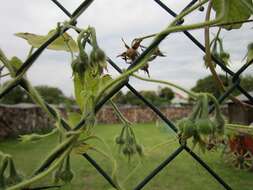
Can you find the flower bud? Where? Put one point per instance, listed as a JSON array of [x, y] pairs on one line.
[[14, 177], [79, 67], [67, 175], [139, 149], [98, 57], [119, 140]]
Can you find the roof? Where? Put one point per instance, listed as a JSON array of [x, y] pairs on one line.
[[179, 99], [242, 97]]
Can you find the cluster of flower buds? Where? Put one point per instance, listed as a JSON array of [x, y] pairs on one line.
[[93, 63], [205, 130], [64, 172], [128, 143], [14, 177], [218, 51]]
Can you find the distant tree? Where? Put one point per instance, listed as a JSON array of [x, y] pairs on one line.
[[158, 98], [131, 99], [68, 102], [152, 96], [247, 82], [208, 84], [15, 96], [166, 94], [51, 95]]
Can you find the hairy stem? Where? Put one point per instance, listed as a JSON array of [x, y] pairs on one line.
[[114, 166], [190, 93], [208, 57], [119, 114], [4, 75]]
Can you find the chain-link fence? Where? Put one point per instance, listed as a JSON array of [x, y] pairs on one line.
[[19, 80]]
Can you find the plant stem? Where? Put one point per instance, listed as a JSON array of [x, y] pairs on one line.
[[83, 55], [54, 131], [93, 37], [54, 154], [68, 46], [4, 75], [30, 51], [119, 114], [91, 137], [218, 33], [208, 57], [146, 37], [239, 126], [132, 172], [190, 93], [214, 25], [6, 63], [232, 23], [215, 102], [154, 148], [114, 165], [67, 25]]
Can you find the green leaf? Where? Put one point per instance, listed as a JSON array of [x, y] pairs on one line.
[[106, 79], [16, 62], [88, 104], [250, 53], [103, 81], [78, 87], [59, 44], [236, 10]]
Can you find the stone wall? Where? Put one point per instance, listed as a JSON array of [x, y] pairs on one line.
[[16, 120], [138, 114], [27, 118]]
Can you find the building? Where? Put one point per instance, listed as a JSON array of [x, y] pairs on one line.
[[179, 100], [238, 114]]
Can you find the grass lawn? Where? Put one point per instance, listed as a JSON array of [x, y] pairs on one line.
[[182, 174]]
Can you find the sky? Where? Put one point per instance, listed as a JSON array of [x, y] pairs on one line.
[[113, 20]]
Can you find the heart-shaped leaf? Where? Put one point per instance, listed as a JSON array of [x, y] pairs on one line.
[[236, 10], [63, 43]]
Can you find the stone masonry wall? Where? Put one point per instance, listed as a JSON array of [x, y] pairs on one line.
[[141, 114], [28, 118]]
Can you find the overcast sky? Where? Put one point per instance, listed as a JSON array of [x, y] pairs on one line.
[[113, 19]]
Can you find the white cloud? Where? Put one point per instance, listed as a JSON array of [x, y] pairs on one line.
[[113, 19]]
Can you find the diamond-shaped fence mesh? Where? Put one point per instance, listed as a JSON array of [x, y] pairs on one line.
[[21, 81]]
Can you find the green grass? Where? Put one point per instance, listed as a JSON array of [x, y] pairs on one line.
[[183, 173]]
